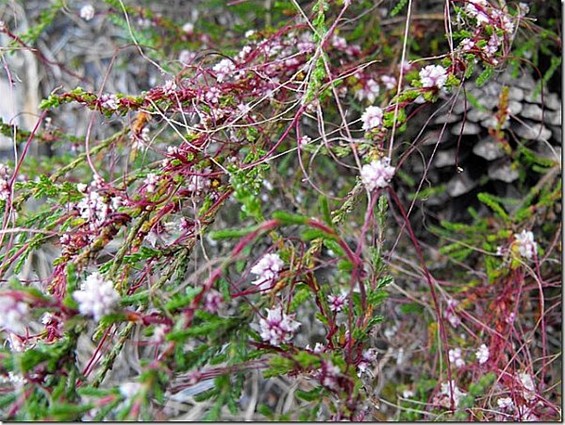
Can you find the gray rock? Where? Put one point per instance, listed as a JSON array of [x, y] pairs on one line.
[[516, 93], [515, 107], [447, 118], [445, 158], [460, 184], [532, 131], [488, 149], [436, 136], [465, 129], [502, 170], [533, 112], [477, 115]]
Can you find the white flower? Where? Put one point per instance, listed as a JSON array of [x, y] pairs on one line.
[[450, 313], [223, 69], [526, 244], [4, 189], [369, 91], [523, 9], [377, 174], [388, 81], [433, 76], [318, 348], [267, 270], [529, 392], [482, 354], [150, 182], [109, 101], [87, 12], [278, 327], [455, 357], [13, 314], [188, 27], [449, 389], [93, 209], [213, 301], [525, 414], [505, 403], [372, 117], [407, 394], [97, 297]]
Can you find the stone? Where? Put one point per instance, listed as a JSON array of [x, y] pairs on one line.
[[460, 184], [502, 170], [532, 131], [488, 149], [465, 129]]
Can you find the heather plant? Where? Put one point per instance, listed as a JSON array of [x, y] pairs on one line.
[[244, 217]]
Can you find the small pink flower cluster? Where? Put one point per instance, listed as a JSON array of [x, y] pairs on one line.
[[4, 182], [267, 270], [369, 89], [487, 17], [372, 117], [97, 297], [278, 327], [433, 76], [368, 358], [336, 302], [13, 313], [377, 174], [450, 313], [329, 374]]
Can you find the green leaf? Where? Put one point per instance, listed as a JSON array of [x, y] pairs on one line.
[[494, 204], [289, 218]]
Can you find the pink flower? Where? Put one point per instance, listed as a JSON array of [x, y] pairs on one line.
[[97, 297], [150, 182], [467, 44], [372, 117], [278, 327], [223, 69], [369, 91], [377, 174], [388, 81], [433, 76], [329, 375], [267, 270], [213, 301], [109, 101], [336, 302], [339, 42]]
